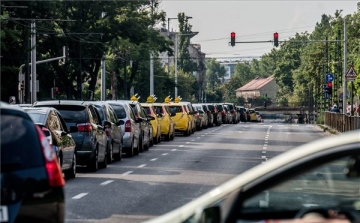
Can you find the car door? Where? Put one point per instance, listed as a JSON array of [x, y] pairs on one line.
[[115, 126], [100, 134], [60, 138]]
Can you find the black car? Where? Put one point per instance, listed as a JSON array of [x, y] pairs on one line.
[[113, 130], [91, 139], [241, 111], [59, 136], [32, 185]]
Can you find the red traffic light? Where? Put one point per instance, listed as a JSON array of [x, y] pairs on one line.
[[276, 35], [56, 89], [329, 84], [276, 39], [232, 35]]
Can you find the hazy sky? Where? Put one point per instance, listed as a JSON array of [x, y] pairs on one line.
[[250, 20]]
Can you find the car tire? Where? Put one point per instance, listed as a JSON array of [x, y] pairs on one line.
[[130, 151], [109, 155], [71, 173], [118, 156], [104, 163], [94, 164]]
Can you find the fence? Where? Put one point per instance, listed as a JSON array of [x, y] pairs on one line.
[[341, 122]]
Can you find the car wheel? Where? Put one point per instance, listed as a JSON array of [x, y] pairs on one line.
[[71, 173], [94, 164], [130, 151], [137, 149], [159, 139], [105, 162], [110, 152], [118, 156]]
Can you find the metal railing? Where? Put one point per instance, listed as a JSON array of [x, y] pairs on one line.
[[341, 122]]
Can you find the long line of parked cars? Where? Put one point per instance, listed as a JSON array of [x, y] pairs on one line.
[[66, 134]]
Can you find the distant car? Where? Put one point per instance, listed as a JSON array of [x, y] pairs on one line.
[[182, 119], [315, 182], [202, 117], [130, 128], [253, 116], [32, 185], [242, 112], [156, 127], [207, 110], [113, 130], [166, 122], [59, 136], [91, 139], [235, 116]]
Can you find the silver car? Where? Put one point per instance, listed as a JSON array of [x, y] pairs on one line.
[[130, 129]]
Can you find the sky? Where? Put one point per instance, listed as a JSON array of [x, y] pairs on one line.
[[251, 21]]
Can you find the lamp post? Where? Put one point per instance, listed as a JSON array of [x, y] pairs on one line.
[[168, 33]]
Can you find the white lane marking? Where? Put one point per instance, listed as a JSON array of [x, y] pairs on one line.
[[239, 131], [265, 144], [142, 165], [206, 133], [263, 157], [106, 182], [181, 146], [192, 140], [198, 137], [79, 196], [187, 142], [263, 151], [164, 154], [154, 159], [174, 149], [202, 135], [127, 173], [264, 147]]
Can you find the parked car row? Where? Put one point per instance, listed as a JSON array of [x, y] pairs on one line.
[[248, 114]]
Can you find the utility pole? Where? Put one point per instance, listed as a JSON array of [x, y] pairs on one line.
[[103, 83], [151, 73], [176, 71], [345, 69], [33, 62]]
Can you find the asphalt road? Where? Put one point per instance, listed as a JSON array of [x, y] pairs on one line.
[[173, 173]]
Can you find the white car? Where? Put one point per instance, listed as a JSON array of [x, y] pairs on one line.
[[258, 116], [315, 182]]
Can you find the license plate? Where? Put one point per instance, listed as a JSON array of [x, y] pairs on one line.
[[4, 215]]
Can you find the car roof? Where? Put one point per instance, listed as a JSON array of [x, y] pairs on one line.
[[272, 165], [14, 110], [62, 102]]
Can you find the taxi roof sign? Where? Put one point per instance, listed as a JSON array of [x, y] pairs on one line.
[[151, 99], [134, 97], [167, 99], [177, 99]]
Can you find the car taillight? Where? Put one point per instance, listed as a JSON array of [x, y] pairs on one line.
[[52, 166], [222, 112], [85, 127], [128, 126], [232, 112]]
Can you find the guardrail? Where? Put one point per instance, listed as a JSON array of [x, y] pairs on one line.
[[341, 122]]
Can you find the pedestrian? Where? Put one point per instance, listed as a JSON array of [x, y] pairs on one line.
[[335, 109]]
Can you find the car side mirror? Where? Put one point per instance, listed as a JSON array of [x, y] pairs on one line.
[[73, 129], [120, 122]]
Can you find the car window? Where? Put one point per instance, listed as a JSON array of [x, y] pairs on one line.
[[73, 114], [119, 111], [102, 115], [326, 185], [147, 110], [94, 116], [175, 109], [111, 114], [53, 121], [15, 153], [37, 117]]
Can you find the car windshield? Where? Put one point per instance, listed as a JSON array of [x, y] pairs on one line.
[[38, 117], [119, 111], [327, 185]]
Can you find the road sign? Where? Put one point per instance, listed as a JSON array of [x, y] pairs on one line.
[[351, 73], [329, 77]]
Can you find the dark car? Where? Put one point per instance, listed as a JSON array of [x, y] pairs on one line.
[[91, 137], [217, 119], [241, 111], [32, 185], [224, 113], [59, 136], [210, 119], [113, 130]]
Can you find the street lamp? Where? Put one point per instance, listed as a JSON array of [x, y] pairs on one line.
[[168, 33]]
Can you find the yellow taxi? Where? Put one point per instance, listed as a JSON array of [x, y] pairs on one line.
[[253, 116], [182, 120], [167, 125], [150, 111]]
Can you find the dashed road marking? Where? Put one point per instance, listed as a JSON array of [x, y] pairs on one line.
[[106, 182], [142, 165], [181, 146], [127, 173], [154, 159], [164, 154], [80, 195], [174, 149]]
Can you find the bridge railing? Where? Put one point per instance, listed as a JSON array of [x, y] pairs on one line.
[[341, 122]]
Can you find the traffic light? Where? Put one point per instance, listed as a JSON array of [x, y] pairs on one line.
[[232, 36], [276, 39], [329, 88], [54, 92]]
